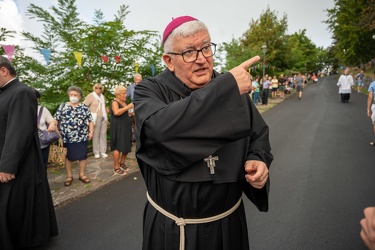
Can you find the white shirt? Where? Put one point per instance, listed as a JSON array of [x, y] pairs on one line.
[[345, 84]]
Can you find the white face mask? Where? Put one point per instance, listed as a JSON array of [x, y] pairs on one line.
[[73, 99]]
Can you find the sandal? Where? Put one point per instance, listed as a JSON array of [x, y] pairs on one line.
[[68, 181], [372, 144], [84, 179], [124, 167], [119, 171]]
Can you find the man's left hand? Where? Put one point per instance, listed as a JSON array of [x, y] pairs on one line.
[[5, 177], [368, 227], [257, 173]]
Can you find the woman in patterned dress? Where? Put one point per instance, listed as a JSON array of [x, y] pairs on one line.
[[75, 123]]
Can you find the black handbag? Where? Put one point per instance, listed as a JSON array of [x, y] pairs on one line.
[[46, 137]]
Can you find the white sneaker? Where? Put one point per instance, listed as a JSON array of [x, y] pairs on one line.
[[97, 156], [104, 155]]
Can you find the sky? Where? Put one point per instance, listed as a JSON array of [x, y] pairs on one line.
[[224, 20]]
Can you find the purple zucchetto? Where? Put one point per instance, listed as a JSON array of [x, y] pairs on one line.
[[176, 22]]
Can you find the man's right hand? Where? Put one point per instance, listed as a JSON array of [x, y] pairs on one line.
[[6, 177], [368, 227], [242, 76]]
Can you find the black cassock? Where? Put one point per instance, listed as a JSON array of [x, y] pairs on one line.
[[177, 129], [27, 216]]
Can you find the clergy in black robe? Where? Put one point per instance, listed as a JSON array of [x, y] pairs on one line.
[[196, 131], [27, 216]]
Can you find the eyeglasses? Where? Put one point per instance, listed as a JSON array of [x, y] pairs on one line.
[[98, 87], [192, 55]]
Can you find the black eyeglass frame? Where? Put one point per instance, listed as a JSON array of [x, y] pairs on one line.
[[196, 55]]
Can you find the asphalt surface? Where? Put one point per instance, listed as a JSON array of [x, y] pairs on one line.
[[321, 179], [323, 173]]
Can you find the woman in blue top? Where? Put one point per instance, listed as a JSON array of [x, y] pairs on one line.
[[256, 97], [76, 125]]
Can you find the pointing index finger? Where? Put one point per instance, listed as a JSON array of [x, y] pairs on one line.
[[246, 64]]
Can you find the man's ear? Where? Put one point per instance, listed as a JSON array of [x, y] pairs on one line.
[[3, 71], [168, 61]]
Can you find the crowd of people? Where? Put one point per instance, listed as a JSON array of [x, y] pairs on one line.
[[27, 217], [79, 122], [193, 174], [277, 86], [24, 158]]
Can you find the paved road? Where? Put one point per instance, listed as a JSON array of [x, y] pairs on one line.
[[109, 218], [323, 173], [322, 178]]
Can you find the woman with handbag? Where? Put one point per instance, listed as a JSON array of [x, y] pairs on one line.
[[96, 103], [75, 123], [44, 118]]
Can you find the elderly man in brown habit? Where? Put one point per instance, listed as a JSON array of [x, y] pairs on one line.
[[201, 144]]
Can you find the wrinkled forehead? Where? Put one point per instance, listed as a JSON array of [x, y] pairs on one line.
[[193, 41], [74, 92]]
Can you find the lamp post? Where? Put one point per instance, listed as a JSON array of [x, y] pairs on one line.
[[264, 49]]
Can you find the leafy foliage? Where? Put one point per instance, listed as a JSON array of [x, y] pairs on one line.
[[352, 23], [289, 53], [65, 33]]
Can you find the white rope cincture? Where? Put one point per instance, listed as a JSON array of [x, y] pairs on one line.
[[181, 222]]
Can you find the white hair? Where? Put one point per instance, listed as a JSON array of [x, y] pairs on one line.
[[184, 30]]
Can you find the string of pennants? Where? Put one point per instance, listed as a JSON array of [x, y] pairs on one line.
[[9, 51], [259, 66]]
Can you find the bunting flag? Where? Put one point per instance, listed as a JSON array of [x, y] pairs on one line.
[[9, 50], [78, 56], [153, 70], [136, 65], [47, 54], [118, 59], [105, 58]]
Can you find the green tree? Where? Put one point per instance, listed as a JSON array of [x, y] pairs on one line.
[[304, 55], [353, 36], [285, 53], [19, 58], [64, 33], [4, 34], [367, 17], [268, 30]]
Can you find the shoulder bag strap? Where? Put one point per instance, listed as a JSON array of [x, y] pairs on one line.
[[40, 114]]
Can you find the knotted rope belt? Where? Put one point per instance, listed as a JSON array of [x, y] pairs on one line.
[[181, 222]]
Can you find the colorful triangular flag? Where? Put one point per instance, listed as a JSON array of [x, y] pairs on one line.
[[47, 54], [9, 50], [78, 56], [104, 58], [118, 59]]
